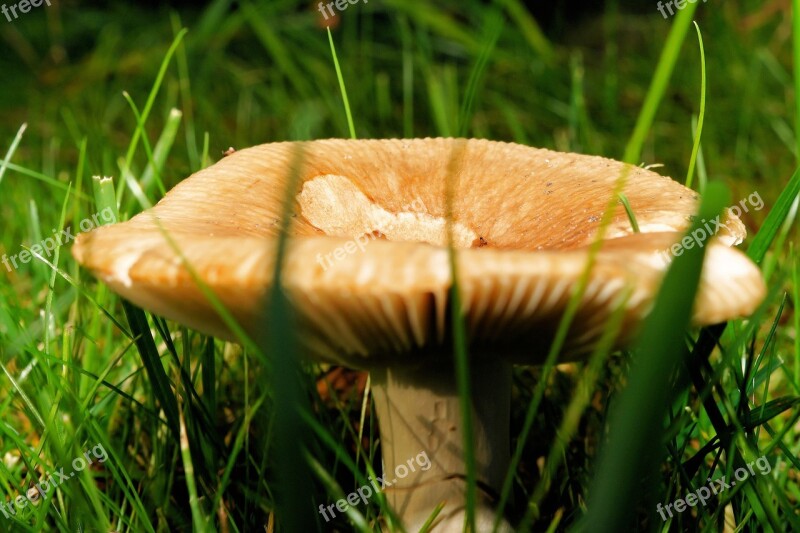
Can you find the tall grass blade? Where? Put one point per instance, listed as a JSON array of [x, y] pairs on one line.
[[796, 72], [342, 87], [148, 107], [627, 469], [494, 27], [775, 219], [11, 150], [633, 150], [289, 399], [699, 130], [655, 94]]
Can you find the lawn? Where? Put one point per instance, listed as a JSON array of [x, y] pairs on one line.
[[115, 419]]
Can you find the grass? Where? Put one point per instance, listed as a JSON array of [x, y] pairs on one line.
[[197, 437]]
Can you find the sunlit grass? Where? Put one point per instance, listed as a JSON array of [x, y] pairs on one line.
[[197, 436]]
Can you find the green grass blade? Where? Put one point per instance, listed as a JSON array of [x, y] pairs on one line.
[[199, 520], [795, 261], [148, 107], [658, 87], [775, 219], [796, 71], [460, 347], [629, 211], [576, 407], [342, 87], [408, 77], [633, 150], [155, 166], [104, 193], [48, 308], [148, 150], [44, 178], [494, 27], [162, 387], [11, 150], [635, 444], [186, 87], [292, 470], [699, 131]]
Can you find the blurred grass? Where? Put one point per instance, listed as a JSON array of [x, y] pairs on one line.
[[201, 445]]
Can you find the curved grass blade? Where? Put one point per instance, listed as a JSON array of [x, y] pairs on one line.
[[699, 130]]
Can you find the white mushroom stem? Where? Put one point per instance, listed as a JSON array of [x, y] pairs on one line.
[[421, 426]]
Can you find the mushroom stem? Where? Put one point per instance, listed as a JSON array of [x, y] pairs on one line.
[[421, 427]]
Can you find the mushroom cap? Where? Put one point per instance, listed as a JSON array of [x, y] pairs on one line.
[[367, 266]]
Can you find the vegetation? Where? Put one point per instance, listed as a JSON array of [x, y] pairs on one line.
[[195, 435]]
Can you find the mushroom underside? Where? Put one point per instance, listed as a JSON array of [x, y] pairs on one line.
[[367, 311]]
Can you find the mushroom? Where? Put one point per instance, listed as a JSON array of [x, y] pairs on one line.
[[367, 270]]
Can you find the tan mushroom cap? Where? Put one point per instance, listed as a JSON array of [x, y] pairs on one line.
[[523, 220]]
